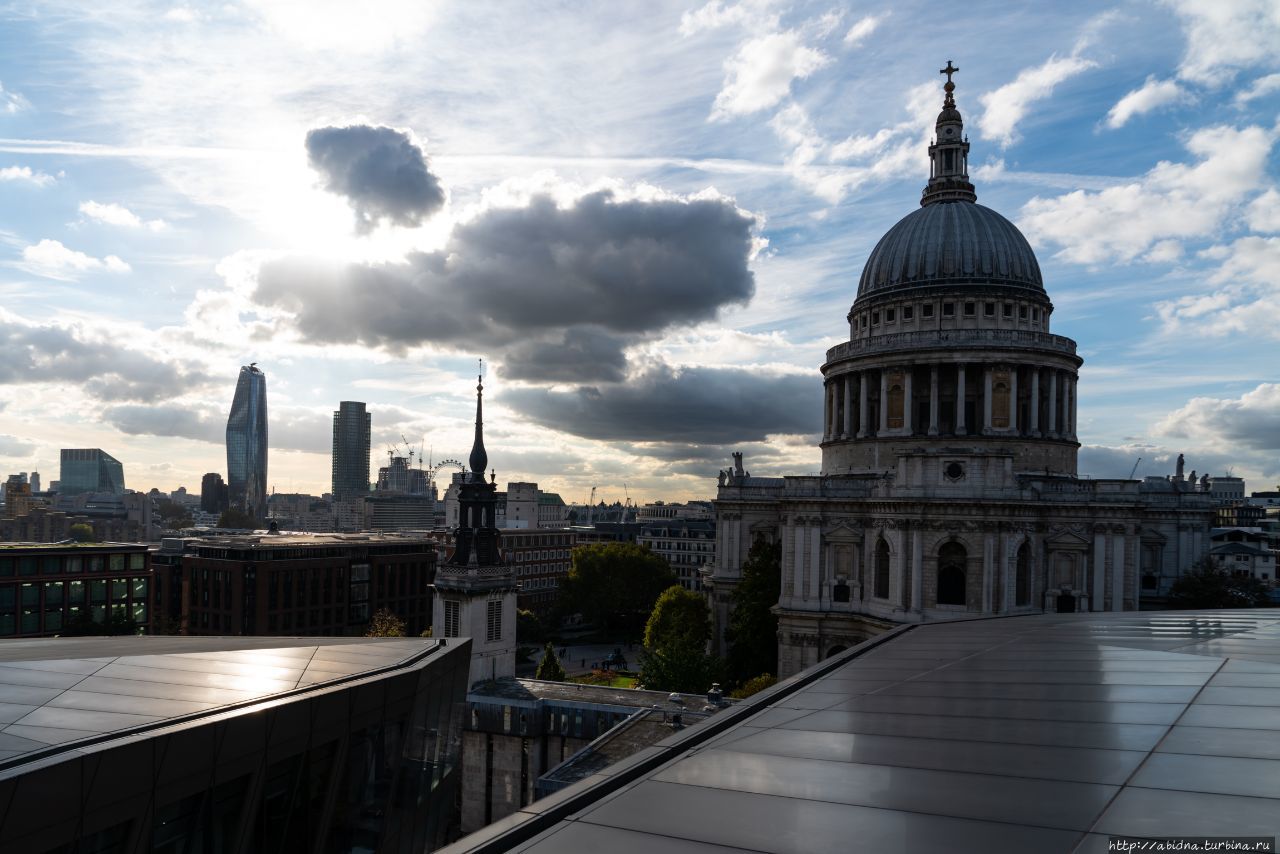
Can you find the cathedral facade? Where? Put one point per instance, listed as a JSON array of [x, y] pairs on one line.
[[949, 484]]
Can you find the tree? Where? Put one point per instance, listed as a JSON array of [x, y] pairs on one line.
[[550, 667], [528, 626], [614, 586], [233, 517], [81, 533], [1207, 586], [678, 614], [679, 665], [752, 632], [754, 686], [173, 515], [385, 624]]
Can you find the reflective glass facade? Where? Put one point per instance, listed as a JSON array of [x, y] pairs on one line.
[[51, 589], [359, 754], [90, 470], [247, 444], [351, 426]]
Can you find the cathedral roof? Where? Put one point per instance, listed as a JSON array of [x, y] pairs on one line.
[[951, 239], [953, 242]]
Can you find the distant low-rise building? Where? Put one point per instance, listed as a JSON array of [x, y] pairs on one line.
[[687, 545], [1243, 552]]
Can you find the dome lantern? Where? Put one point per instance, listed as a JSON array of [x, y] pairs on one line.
[[949, 153]]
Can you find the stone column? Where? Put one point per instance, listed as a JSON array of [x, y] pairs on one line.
[[1117, 571], [1096, 595], [988, 568], [1072, 393], [908, 402], [1051, 428], [797, 569], [884, 402], [815, 555], [933, 400], [862, 404], [1013, 399], [831, 411], [1006, 593], [960, 400], [1034, 426], [986, 399], [847, 432], [917, 569]]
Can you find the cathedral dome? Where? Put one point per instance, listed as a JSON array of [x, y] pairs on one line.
[[951, 242]]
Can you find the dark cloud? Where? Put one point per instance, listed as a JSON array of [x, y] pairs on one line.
[[107, 369], [693, 406], [1251, 421], [1102, 461], [706, 460], [300, 430], [380, 170], [12, 446], [558, 291]]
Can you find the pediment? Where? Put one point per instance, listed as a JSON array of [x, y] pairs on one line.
[[843, 532], [1066, 538]]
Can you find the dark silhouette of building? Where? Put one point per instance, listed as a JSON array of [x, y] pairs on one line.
[[90, 470], [47, 589], [247, 444], [351, 430], [213, 493]]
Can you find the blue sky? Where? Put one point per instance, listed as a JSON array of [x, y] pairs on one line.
[[648, 218]]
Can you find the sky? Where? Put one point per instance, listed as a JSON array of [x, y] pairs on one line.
[[648, 219]]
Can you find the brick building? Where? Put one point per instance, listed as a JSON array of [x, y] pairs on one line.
[[44, 587]]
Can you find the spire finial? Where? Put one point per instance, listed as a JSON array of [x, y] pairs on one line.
[[479, 460], [949, 87]]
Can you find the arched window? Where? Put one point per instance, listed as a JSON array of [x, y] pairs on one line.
[[1000, 405], [951, 566], [895, 405], [882, 569], [1022, 576]]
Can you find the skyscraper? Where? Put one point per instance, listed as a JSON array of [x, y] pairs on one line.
[[213, 493], [351, 430], [90, 470], [247, 444]]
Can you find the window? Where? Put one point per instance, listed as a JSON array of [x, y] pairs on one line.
[[1008, 309], [908, 313], [30, 595], [970, 309], [926, 310], [948, 309], [450, 619], [6, 566], [989, 309], [864, 321], [1022, 577], [951, 567], [890, 315], [875, 318], [882, 569], [493, 622], [1022, 312], [117, 563], [137, 561], [1035, 314]]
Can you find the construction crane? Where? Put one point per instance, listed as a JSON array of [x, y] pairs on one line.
[[627, 506], [404, 439], [1134, 470], [591, 507]]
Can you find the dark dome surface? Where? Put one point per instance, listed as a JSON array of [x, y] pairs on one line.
[[951, 243]]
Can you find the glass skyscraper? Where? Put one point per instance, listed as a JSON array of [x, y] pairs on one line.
[[247, 444], [90, 470], [351, 431]]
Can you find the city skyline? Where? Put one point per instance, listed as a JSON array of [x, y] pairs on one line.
[[208, 204]]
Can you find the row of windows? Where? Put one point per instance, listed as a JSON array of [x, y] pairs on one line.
[[969, 308], [559, 568], [56, 593], [70, 564], [33, 621], [539, 583], [523, 557]]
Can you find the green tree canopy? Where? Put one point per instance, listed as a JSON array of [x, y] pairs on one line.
[[236, 518], [528, 626], [679, 665], [81, 532], [385, 624], [614, 586], [752, 632], [550, 667], [1207, 586], [678, 614]]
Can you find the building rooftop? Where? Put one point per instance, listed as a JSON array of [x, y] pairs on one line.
[[64, 694], [1042, 733], [72, 544], [532, 690]]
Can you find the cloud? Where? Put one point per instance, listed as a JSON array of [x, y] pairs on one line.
[[759, 75], [715, 14], [12, 102], [1263, 213], [1005, 107], [1151, 96], [51, 259], [12, 446], [679, 405], [1171, 201], [1261, 88], [590, 275], [1224, 38], [381, 171], [862, 29], [26, 174], [290, 429], [1247, 301], [1251, 421], [114, 214], [106, 368], [1117, 461]]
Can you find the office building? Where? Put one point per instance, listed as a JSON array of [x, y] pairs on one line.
[[247, 444], [50, 588], [213, 493], [90, 470], [687, 545], [351, 432]]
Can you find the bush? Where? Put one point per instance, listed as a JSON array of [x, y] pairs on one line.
[[81, 533], [1207, 586], [385, 624], [550, 667], [754, 685]]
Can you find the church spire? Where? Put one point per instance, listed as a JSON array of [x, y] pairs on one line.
[[479, 459], [949, 152]]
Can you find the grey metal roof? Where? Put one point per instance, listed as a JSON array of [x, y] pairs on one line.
[[951, 243], [57, 691], [1044, 733]]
